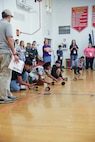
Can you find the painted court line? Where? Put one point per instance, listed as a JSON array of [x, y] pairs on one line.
[[5, 108]]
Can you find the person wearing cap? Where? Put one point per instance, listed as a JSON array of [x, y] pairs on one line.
[[38, 74], [7, 50], [19, 81], [56, 70]]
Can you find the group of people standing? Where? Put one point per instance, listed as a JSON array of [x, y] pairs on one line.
[[89, 53], [31, 52], [28, 51]]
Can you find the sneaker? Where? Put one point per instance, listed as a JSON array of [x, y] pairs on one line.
[[76, 73], [71, 69], [6, 101], [23, 87], [79, 73], [13, 97]]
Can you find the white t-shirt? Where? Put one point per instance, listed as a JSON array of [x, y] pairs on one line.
[[38, 70]]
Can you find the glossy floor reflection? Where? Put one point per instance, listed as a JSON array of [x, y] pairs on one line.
[[65, 114]]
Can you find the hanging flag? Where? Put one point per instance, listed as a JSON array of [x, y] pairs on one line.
[[93, 15], [79, 18]]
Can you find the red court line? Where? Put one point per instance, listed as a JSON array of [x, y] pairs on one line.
[[5, 108]]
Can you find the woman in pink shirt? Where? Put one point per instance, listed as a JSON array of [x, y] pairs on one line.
[[89, 53]]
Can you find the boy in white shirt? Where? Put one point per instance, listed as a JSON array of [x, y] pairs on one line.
[[39, 71]]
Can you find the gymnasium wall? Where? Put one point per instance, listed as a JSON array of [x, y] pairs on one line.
[[62, 17], [40, 23]]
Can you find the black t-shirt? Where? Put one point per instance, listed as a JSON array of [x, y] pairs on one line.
[[15, 74], [33, 53], [74, 51], [53, 71]]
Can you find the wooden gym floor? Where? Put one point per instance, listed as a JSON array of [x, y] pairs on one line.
[[65, 114]]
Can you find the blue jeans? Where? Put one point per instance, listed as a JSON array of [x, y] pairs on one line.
[[15, 86], [47, 59], [72, 58]]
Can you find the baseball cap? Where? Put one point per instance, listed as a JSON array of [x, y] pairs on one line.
[[7, 12]]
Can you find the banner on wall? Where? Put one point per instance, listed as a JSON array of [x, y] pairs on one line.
[[93, 15], [79, 18]]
